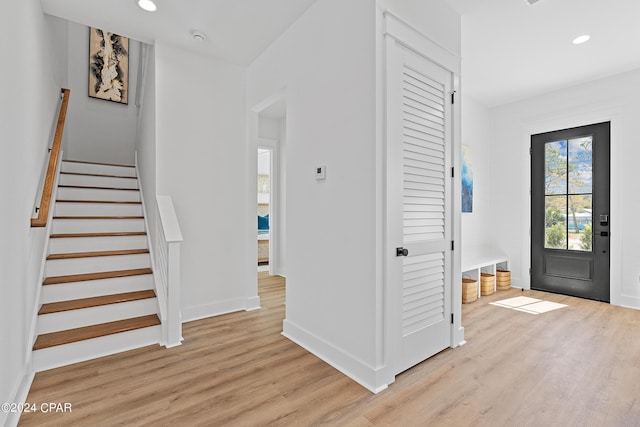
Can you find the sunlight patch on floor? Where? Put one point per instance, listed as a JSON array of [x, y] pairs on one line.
[[528, 305]]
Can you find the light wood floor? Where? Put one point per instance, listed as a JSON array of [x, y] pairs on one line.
[[576, 366]]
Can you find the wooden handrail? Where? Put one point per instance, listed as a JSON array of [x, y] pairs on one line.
[[47, 189]]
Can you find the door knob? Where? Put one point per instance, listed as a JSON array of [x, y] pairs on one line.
[[402, 252]]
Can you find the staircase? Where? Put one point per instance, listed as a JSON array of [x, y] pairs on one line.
[[98, 293]]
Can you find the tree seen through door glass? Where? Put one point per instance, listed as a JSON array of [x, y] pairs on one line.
[[568, 194]]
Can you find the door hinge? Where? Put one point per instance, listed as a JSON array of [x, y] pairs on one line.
[[452, 245], [530, 150], [529, 272], [453, 97], [453, 172], [452, 318]]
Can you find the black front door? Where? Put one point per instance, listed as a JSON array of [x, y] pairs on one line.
[[570, 211]]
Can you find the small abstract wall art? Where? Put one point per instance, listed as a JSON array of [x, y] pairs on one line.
[[108, 66], [467, 179]]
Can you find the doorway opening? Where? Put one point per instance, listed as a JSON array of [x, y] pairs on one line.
[[264, 207], [270, 202], [570, 211]]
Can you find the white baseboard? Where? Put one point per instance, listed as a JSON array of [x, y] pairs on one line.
[[374, 380], [252, 303], [458, 337], [19, 396], [197, 312], [520, 284]]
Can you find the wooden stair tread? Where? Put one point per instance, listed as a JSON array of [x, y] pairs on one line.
[[94, 331], [100, 217], [98, 163], [114, 234], [76, 304], [126, 202], [86, 187], [56, 280], [97, 254], [98, 174]]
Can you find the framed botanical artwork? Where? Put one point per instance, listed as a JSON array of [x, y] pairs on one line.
[[467, 179], [108, 66]]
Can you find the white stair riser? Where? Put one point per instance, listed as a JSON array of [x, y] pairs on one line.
[[60, 226], [97, 209], [73, 193], [64, 267], [97, 181], [63, 245], [95, 288], [64, 320], [97, 169], [62, 355]]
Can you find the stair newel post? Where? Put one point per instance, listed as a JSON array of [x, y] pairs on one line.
[[174, 320], [168, 263]]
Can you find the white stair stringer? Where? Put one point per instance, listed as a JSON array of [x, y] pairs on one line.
[[62, 355], [97, 212]]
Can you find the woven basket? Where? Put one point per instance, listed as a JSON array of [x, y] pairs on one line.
[[469, 290], [487, 282], [503, 280]]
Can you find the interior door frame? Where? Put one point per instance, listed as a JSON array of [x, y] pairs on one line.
[[273, 145], [399, 34]]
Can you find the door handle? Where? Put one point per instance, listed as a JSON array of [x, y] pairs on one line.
[[402, 251], [604, 233]]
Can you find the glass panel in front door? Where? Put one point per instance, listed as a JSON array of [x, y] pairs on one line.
[[568, 194]]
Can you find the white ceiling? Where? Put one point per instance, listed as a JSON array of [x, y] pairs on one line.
[[510, 50], [237, 30]]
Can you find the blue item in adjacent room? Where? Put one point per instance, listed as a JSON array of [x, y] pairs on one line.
[[263, 222]]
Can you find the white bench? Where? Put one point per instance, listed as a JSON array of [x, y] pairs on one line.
[[482, 260]]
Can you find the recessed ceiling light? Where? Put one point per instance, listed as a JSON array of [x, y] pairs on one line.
[[581, 39], [147, 5]]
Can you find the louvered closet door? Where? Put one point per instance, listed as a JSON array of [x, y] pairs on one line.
[[425, 189]]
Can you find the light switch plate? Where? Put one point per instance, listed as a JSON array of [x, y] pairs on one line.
[[321, 172]]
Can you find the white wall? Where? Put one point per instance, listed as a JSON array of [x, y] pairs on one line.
[[201, 161], [476, 119], [98, 130], [615, 99], [329, 75], [268, 128], [33, 74]]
